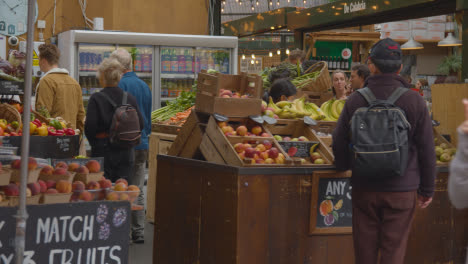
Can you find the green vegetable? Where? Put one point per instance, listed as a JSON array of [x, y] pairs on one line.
[[183, 102], [56, 124]]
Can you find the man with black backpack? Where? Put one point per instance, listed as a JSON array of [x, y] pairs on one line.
[[384, 135]]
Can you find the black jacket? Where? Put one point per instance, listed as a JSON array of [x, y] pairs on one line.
[[421, 170], [100, 112]]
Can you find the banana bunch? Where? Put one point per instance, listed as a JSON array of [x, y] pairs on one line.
[[332, 109], [296, 109]]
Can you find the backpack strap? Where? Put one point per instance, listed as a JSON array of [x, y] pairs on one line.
[[114, 105], [396, 94], [124, 98], [368, 95]]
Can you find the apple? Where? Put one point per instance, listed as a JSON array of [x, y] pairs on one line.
[[286, 139], [278, 137], [259, 161], [247, 145], [267, 144], [43, 186], [227, 129], [222, 124], [295, 139], [264, 155], [50, 184], [270, 109], [260, 148], [241, 130], [11, 190], [264, 106], [319, 161], [273, 153], [242, 155], [315, 155], [269, 161], [269, 113], [265, 135], [257, 130], [302, 138], [250, 152], [16, 164], [35, 188], [236, 96], [239, 147]]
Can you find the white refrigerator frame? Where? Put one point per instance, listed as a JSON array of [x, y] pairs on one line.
[[68, 43]]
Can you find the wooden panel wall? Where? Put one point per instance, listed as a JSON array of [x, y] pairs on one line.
[[447, 107]]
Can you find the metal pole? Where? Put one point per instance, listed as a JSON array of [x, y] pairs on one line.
[[22, 215]]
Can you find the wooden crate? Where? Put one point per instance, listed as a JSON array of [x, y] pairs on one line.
[[209, 86], [317, 98], [325, 127], [159, 143], [165, 129], [224, 145], [297, 128], [439, 139], [189, 137]]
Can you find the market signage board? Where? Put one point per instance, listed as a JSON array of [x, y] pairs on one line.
[[90, 232], [11, 87], [55, 147], [331, 207]]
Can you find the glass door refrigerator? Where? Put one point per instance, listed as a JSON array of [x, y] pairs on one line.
[[169, 64]]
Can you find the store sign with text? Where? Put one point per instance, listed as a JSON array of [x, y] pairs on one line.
[[71, 233], [354, 7]]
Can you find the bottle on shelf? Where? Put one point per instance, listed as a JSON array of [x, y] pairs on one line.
[[211, 63], [181, 61], [203, 61], [328, 62], [347, 65], [164, 90], [197, 64], [225, 67], [334, 63], [188, 61], [146, 61], [174, 62]]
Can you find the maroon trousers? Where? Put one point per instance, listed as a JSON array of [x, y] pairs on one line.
[[381, 224]]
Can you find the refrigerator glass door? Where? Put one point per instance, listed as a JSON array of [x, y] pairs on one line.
[[142, 62], [89, 58]]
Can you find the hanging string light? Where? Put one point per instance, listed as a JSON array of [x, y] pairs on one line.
[[252, 61], [240, 2], [278, 3], [305, 2], [222, 10], [287, 51], [253, 56], [289, 1], [270, 54], [271, 2], [278, 52], [253, 7], [257, 3], [243, 56]]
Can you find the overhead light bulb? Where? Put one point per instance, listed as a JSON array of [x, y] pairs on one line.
[[278, 3], [243, 56], [253, 8], [305, 2], [270, 54], [412, 45], [240, 3], [271, 3], [449, 41], [257, 2], [278, 52], [289, 1], [256, 62], [252, 61], [287, 51], [253, 56], [222, 9]]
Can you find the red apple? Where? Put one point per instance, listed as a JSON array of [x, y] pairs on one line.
[[273, 153], [11, 190], [250, 152], [267, 144], [35, 188], [16, 164], [43, 186]]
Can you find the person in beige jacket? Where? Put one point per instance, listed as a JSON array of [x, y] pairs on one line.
[[59, 93], [458, 178]]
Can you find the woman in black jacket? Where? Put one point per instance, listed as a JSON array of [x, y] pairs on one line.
[[118, 161]]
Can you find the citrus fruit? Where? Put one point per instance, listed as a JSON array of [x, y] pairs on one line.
[[326, 207]]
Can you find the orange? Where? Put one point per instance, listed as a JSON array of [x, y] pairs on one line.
[[326, 207]]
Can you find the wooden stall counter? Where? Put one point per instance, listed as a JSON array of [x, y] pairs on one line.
[[213, 213]]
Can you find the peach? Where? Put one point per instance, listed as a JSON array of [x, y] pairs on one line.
[[61, 164], [11, 190], [60, 171], [267, 144], [64, 186], [222, 124], [73, 166], [35, 188], [43, 186], [246, 146], [259, 161], [47, 170], [92, 185], [50, 184], [120, 187], [260, 147], [242, 155], [123, 181], [133, 188], [124, 197], [85, 196], [257, 130], [264, 135], [264, 155], [93, 166], [32, 163], [51, 190], [101, 195], [226, 129], [78, 186], [281, 156], [16, 164], [82, 170], [112, 196], [105, 183], [241, 130], [239, 147], [269, 161]]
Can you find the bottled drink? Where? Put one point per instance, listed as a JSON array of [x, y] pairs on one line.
[[203, 61], [347, 65], [146, 62], [329, 62], [211, 64], [166, 60], [225, 67], [164, 90], [137, 63], [334, 63], [174, 62], [181, 60], [218, 61], [188, 61], [197, 63]]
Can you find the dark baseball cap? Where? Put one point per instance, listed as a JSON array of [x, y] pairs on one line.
[[386, 52]]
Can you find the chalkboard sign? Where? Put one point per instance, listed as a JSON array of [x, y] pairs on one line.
[[11, 87], [303, 147], [331, 207], [91, 232], [54, 147], [79, 161]]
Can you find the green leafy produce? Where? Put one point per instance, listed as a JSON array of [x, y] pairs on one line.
[[180, 104], [43, 111]]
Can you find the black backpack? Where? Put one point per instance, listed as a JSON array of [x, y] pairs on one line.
[[125, 129], [379, 137]]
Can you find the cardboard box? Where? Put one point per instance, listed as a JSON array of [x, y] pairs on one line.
[[437, 19], [396, 35], [5, 175], [54, 198], [68, 177], [395, 26], [416, 24], [14, 200], [419, 34], [33, 175], [435, 36], [436, 27], [86, 178]]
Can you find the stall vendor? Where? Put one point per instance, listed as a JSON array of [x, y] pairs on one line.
[[339, 87]]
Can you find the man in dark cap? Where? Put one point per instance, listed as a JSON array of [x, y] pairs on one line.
[[383, 209]]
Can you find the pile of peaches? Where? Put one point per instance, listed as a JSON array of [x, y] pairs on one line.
[[242, 131]]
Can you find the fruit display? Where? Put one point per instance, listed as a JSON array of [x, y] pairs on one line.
[[301, 150], [242, 130], [444, 151], [332, 109], [123, 192], [292, 110], [232, 94], [36, 127], [263, 152]]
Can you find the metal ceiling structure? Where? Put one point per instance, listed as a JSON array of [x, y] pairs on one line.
[[237, 9]]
